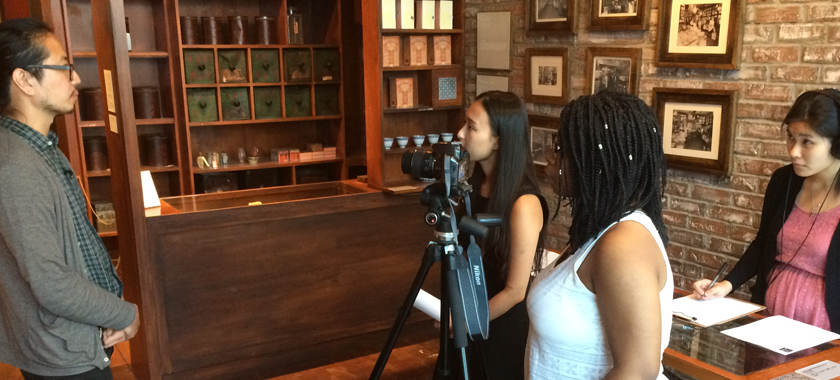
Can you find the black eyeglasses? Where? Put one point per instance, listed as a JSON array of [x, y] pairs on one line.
[[68, 68]]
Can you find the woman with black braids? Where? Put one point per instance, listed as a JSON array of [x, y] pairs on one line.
[[602, 310], [504, 183]]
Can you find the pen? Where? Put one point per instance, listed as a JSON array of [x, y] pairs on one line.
[[717, 276]]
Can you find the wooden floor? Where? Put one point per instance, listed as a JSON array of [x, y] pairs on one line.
[[414, 362]]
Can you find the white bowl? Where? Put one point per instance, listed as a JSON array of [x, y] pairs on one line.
[[447, 137]]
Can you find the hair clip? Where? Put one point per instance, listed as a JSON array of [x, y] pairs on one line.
[[600, 146], [606, 126], [560, 172], [654, 129], [631, 157]]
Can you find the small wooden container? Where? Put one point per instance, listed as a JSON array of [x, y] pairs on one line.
[[96, 154], [146, 102], [238, 26], [157, 150], [190, 30], [266, 28], [212, 27], [90, 104]]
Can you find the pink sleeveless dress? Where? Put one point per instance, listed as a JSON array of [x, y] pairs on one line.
[[797, 290]]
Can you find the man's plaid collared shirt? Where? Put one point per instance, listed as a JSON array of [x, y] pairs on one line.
[[99, 268]]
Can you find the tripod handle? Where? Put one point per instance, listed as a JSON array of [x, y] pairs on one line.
[[459, 321], [478, 227]]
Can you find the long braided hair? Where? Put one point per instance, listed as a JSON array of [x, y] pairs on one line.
[[612, 163]]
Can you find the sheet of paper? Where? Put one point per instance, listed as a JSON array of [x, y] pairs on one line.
[[389, 14], [821, 371], [428, 304], [782, 335], [713, 311], [112, 119], [109, 91], [150, 195]]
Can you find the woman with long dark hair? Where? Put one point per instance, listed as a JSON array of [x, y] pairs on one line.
[[504, 181], [602, 309], [795, 254]]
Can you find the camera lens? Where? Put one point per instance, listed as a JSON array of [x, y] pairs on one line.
[[419, 164]]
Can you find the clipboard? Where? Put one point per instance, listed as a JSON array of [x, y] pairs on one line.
[[712, 312]]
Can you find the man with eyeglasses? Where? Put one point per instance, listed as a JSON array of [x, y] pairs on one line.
[[61, 307]]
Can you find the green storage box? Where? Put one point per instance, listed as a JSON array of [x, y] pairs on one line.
[[235, 105], [265, 65], [233, 68], [298, 102], [327, 65], [297, 64], [326, 100], [268, 103], [201, 103], [199, 66]]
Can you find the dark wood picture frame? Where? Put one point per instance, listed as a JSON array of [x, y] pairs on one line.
[[721, 163], [633, 54], [620, 21], [541, 121], [728, 60], [562, 77], [536, 25]]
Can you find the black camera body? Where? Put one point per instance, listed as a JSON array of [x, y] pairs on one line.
[[445, 162]]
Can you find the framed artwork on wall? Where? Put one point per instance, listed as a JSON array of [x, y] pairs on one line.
[[619, 15], [493, 31], [699, 34], [546, 16], [696, 128], [547, 75], [484, 83], [613, 69], [543, 135]]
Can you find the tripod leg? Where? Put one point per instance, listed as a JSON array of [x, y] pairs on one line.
[[451, 301], [433, 254]]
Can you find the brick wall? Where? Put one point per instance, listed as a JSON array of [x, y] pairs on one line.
[[789, 46]]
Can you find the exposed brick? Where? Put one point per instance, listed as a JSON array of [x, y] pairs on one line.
[[805, 74], [675, 251], [729, 86], [674, 218], [763, 111], [758, 33], [821, 55], [731, 215], [744, 183], [763, 187], [824, 12], [775, 150], [704, 258], [707, 225], [834, 33], [757, 167], [751, 148], [758, 130], [713, 195], [801, 32], [779, 93], [745, 234], [677, 188], [691, 239], [776, 14], [683, 205], [831, 75], [775, 54], [726, 247]]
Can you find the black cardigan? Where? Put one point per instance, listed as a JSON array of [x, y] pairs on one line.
[[760, 256]]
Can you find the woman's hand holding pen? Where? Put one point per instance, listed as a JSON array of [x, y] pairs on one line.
[[719, 289]]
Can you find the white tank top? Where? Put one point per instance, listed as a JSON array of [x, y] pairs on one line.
[[566, 340]]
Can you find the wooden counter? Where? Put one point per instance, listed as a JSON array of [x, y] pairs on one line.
[[235, 291]]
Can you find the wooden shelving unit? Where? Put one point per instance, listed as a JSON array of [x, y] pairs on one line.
[[428, 115]]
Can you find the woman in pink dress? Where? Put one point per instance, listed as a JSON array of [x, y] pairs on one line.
[[796, 252]]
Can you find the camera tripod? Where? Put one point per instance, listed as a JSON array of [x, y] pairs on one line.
[[463, 294]]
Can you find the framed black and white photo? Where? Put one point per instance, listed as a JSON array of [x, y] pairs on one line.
[[550, 16], [612, 69], [619, 15], [542, 143], [699, 34], [696, 128], [547, 76]]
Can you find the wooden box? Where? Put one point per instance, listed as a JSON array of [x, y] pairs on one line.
[[298, 65], [440, 51], [425, 15], [403, 91], [268, 103], [391, 51], [233, 68], [327, 65], [405, 19], [447, 87], [298, 101], [235, 105], [326, 100], [445, 14], [201, 104], [415, 51], [265, 65], [199, 67]]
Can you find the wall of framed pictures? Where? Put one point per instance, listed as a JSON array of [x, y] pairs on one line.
[[720, 75]]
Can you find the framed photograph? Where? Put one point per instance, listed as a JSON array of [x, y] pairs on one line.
[[493, 50], [619, 15], [543, 132], [546, 16], [612, 69], [697, 128], [547, 75], [699, 34], [484, 83]]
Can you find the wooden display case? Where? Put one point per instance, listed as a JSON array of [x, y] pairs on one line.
[[438, 89]]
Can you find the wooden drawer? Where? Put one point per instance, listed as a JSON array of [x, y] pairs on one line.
[[265, 65], [268, 103], [201, 103], [235, 105], [326, 100], [199, 66], [298, 102], [297, 64], [327, 65], [232, 66]]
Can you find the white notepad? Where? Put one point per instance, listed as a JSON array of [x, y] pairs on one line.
[[712, 312], [782, 335]]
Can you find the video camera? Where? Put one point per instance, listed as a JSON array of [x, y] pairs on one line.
[[445, 162]]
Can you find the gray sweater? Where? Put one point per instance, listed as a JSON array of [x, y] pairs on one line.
[[50, 313]]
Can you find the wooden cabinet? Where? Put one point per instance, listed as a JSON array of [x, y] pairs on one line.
[[414, 78]]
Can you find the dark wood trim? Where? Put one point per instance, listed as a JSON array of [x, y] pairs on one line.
[[641, 21], [558, 27], [564, 76], [635, 56]]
